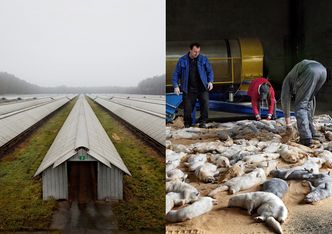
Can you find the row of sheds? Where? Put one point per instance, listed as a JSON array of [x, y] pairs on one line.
[[82, 141], [144, 112], [16, 118], [5, 98]]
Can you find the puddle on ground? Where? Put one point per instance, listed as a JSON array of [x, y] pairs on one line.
[[91, 217], [76, 216]]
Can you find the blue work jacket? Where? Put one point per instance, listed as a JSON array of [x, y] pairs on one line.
[[182, 72]]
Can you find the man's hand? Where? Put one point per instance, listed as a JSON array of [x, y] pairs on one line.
[[177, 91], [258, 118], [289, 135], [269, 117], [290, 131], [210, 86]]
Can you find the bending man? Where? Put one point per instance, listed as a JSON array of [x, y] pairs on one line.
[[259, 90], [303, 81]]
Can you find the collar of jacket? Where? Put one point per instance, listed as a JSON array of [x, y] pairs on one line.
[[198, 59]]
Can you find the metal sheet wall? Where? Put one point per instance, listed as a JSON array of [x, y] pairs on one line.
[[55, 182], [110, 183]]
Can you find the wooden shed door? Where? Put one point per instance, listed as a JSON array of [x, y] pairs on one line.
[[82, 178]]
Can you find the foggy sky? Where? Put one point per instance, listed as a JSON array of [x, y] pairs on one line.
[[82, 42]]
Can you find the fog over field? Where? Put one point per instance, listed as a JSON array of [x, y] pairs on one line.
[[82, 43]]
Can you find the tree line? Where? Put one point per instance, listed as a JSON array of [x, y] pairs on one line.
[[10, 84]]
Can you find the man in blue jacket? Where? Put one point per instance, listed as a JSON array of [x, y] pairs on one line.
[[196, 75]]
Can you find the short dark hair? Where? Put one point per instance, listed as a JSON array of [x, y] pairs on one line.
[[264, 91], [191, 46]]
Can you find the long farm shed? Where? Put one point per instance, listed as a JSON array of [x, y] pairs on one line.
[[17, 118], [144, 114], [82, 163]]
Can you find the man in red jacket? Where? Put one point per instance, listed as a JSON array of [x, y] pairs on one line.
[[261, 89]]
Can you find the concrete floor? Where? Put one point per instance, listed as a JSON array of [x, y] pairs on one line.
[[317, 221], [90, 217], [219, 116]]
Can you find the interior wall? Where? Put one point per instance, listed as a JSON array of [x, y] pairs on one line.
[[215, 19], [288, 30], [318, 40]]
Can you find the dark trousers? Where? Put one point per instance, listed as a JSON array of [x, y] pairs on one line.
[[189, 100], [309, 83]]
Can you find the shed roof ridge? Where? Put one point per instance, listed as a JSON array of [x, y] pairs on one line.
[[87, 127]]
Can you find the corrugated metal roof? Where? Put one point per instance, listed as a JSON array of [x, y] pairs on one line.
[[14, 97], [11, 107], [154, 107], [14, 123], [142, 116], [82, 129], [149, 98], [24, 97]]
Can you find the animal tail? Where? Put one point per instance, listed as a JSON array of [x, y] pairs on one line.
[[172, 216], [274, 224], [290, 171], [217, 190]]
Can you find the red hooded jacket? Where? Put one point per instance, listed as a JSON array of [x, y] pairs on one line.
[[253, 92]]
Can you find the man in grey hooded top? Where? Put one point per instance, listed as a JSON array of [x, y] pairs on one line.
[[303, 81]]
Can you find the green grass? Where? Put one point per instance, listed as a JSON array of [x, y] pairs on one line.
[[21, 204], [144, 192]]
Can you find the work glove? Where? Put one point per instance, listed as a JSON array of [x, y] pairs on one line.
[[269, 117], [210, 86], [258, 118], [177, 91]]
